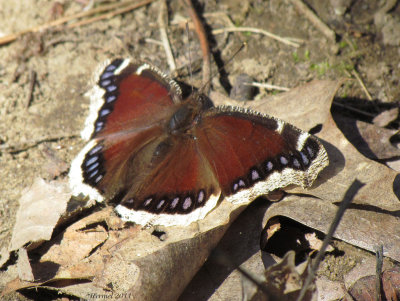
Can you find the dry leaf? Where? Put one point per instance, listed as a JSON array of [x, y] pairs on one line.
[[367, 267], [282, 281], [365, 288], [4, 256], [24, 267], [329, 290], [315, 243], [386, 117], [31, 224], [370, 140], [362, 228], [86, 251]]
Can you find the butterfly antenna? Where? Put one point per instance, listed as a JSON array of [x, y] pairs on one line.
[[244, 44], [190, 56]]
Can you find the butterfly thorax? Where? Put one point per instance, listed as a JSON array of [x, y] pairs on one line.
[[187, 116]]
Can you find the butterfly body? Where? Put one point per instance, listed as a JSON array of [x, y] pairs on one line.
[[170, 159]]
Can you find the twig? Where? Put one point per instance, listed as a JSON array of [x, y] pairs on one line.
[[14, 149], [205, 49], [163, 14], [365, 113], [110, 14], [32, 82], [348, 197], [256, 30], [14, 36], [153, 41], [313, 18], [355, 73], [268, 86], [379, 263], [89, 6]]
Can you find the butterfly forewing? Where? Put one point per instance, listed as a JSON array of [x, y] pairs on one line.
[[129, 106]]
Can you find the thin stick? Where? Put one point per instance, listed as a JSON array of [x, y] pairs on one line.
[[11, 37], [268, 86], [256, 30], [355, 73], [164, 36], [313, 18], [110, 14], [153, 41], [348, 197], [32, 82], [365, 113], [205, 49], [17, 148], [189, 55], [379, 263]]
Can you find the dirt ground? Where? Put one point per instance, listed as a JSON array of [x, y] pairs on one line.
[[40, 123]]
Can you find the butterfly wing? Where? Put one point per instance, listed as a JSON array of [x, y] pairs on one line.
[[252, 154], [168, 161], [239, 153], [177, 188], [129, 105]]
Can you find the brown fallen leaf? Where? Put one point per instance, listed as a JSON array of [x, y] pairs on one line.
[[391, 283], [82, 252], [362, 228], [31, 224], [281, 281], [329, 290], [365, 268], [365, 288], [370, 140], [386, 117], [24, 267]]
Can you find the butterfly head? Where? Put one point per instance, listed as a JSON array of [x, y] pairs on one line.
[[189, 113]]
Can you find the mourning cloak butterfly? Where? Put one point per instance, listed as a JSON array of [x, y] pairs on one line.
[[169, 159]]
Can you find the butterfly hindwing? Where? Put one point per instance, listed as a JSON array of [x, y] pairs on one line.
[[179, 189]]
